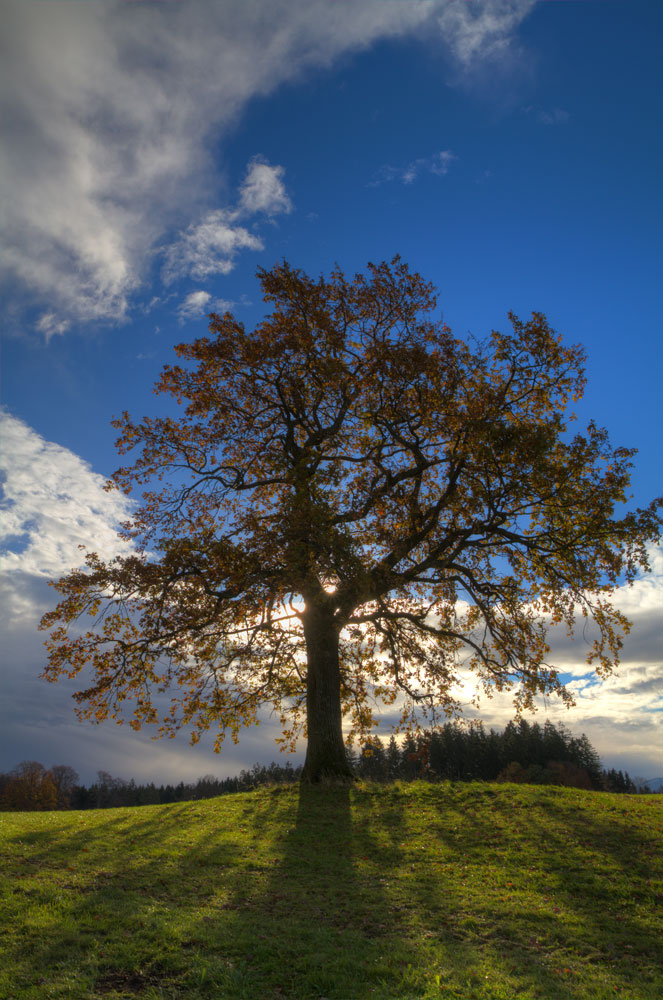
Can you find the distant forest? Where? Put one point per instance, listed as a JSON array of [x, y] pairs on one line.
[[523, 753]]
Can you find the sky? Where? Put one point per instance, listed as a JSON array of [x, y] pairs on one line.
[[155, 154]]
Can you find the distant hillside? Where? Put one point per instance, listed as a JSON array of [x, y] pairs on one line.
[[465, 891]]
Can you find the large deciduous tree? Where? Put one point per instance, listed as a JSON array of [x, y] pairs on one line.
[[29, 786], [351, 506]]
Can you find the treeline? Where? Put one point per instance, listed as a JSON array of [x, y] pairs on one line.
[[523, 753], [30, 786]]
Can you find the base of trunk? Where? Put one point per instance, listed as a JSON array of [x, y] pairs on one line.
[[341, 775]]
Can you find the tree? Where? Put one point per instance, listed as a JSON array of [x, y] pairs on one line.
[[393, 759], [373, 760], [107, 790], [30, 786], [64, 779], [585, 756], [350, 503]]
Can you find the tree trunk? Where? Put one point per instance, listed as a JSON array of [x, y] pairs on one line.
[[326, 759]]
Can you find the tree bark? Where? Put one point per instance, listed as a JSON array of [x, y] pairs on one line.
[[326, 759]]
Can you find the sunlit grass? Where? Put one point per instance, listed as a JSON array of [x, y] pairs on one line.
[[500, 892]]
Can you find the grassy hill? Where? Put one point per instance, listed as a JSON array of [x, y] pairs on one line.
[[498, 892]]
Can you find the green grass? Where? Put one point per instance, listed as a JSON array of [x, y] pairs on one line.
[[498, 892]]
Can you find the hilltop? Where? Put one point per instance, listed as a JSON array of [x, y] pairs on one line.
[[467, 891]]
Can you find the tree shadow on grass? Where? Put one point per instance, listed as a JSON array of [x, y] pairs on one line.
[[355, 909], [287, 919], [330, 921], [294, 926]]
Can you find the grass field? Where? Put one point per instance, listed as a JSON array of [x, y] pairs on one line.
[[498, 892]]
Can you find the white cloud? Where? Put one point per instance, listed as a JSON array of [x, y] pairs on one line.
[[201, 303], [264, 190], [111, 111], [437, 164], [655, 555], [52, 502], [478, 31], [622, 714], [194, 304], [210, 247], [555, 117], [50, 325]]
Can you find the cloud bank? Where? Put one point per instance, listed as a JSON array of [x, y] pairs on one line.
[[111, 110], [51, 503]]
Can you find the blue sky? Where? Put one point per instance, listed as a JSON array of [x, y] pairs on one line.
[[157, 154]]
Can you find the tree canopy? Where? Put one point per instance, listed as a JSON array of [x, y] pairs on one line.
[[350, 506]]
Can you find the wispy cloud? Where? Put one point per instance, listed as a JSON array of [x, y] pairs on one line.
[[199, 303], [556, 116], [437, 164], [49, 324], [109, 110], [194, 304], [477, 32], [212, 245], [208, 247]]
